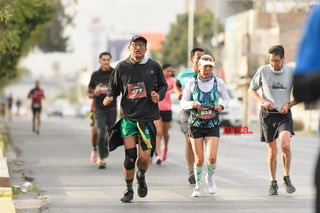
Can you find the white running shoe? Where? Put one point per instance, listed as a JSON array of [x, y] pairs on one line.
[[196, 192], [212, 187]]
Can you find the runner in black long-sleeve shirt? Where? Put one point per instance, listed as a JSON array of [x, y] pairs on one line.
[[142, 85], [105, 116]]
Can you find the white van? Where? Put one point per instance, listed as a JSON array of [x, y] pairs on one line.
[[232, 114]]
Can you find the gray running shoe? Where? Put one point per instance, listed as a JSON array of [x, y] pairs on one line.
[[191, 178], [127, 197], [273, 190], [287, 183]]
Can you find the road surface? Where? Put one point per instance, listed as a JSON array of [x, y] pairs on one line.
[[58, 160]]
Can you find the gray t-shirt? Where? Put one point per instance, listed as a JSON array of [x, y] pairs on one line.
[[275, 86]]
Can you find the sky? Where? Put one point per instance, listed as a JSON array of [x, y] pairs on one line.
[[130, 15], [116, 17]]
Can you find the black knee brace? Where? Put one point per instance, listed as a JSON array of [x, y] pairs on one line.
[[130, 159]]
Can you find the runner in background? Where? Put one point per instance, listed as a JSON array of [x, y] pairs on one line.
[[36, 95], [18, 105], [181, 81], [163, 124], [105, 116], [94, 134], [9, 106]]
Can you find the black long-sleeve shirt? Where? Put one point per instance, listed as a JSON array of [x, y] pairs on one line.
[[135, 81], [101, 79]]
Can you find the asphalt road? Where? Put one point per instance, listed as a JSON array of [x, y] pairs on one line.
[[58, 160]]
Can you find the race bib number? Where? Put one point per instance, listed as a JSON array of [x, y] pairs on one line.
[[205, 113], [103, 88], [36, 105], [137, 90]]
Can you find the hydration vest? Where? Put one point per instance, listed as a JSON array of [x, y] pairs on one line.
[[210, 98]]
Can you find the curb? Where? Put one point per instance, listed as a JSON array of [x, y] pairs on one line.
[[6, 202]]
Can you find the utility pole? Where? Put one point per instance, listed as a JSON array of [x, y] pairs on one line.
[[247, 81], [190, 28]]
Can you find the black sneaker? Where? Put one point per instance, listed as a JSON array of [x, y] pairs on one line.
[[191, 178], [273, 190], [287, 183], [142, 186], [102, 165], [127, 197]]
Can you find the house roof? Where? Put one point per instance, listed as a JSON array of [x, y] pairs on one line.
[[154, 39]]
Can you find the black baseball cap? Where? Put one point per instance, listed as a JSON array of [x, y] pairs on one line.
[[138, 37]]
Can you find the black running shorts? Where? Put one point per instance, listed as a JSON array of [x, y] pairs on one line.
[[272, 123], [166, 116], [195, 132]]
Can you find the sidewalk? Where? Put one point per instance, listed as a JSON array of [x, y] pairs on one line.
[[6, 202]]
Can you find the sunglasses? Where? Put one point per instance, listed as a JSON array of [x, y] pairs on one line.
[[135, 45]]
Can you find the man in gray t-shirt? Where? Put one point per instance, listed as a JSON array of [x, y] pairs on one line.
[[275, 82], [275, 85]]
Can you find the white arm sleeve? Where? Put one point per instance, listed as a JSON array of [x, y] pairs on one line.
[[186, 100]]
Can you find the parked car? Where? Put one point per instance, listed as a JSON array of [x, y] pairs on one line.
[[232, 114], [61, 108]]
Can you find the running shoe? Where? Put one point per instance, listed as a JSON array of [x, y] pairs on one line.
[[164, 154], [37, 131], [191, 178], [273, 190], [102, 165], [287, 183], [127, 197], [158, 160], [212, 187], [142, 185], [196, 192], [93, 156]]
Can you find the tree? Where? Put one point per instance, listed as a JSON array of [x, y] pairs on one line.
[[17, 20], [21, 27], [174, 48], [51, 36]]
